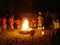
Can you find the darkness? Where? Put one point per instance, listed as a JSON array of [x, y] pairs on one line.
[[17, 6]]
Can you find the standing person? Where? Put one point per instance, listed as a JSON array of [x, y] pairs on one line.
[[40, 21], [33, 23], [17, 22], [11, 22], [57, 35], [0, 25], [4, 24], [53, 38], [56, 24], [47, 21]]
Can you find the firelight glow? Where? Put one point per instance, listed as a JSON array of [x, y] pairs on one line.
[[42, 32], [25, 25]]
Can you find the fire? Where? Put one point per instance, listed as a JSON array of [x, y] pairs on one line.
[[25, 25]]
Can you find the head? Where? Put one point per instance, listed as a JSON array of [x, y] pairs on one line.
[[39, 13]]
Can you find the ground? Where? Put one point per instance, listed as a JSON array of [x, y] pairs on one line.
[[14, 37]]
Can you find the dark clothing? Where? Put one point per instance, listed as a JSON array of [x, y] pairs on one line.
[[47, 22], [58, 36], [53, 38]]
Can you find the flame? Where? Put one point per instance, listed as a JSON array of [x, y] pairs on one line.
[[25, 25]]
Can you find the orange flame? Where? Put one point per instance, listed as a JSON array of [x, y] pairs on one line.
[[25, 25]]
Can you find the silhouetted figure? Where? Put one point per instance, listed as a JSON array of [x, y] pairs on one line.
[[0, 25], [58, 36], [32, 32], [47, 21], [53, 38]]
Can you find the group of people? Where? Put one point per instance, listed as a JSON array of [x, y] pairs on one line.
[[8, 23], [12, 23]]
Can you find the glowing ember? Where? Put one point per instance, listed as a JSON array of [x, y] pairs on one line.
[[25, 26]]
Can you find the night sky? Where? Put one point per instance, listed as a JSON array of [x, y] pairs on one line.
[[12, 6]]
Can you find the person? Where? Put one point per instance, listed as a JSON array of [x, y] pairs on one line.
[[4, 23], [17, 22], [58, 36], [40, 21], [11, 22], [0, 25], [56, 24], [33, 23], [53, 38], [47, 21]]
